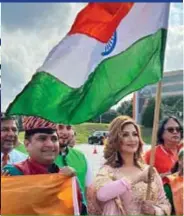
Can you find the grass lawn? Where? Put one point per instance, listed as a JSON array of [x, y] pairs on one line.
[[86, 129], [146, 134]]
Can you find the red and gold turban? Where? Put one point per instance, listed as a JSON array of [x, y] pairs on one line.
[[34, 123]]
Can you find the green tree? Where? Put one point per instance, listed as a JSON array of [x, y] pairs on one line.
[[126, 108], [170, 105], [108, 116], [173, 105], [19, 123], [148, 114]]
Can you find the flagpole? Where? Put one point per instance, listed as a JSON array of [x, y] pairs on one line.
[[135, 102], [137, 107], [154, 135], [133, 106]]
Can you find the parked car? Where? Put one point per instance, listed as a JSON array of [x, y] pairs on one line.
[[97, 137]]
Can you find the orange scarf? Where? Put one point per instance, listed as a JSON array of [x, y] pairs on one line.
[[176, 184], [51, 194]]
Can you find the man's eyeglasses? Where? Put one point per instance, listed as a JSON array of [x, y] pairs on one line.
[[173, 129]]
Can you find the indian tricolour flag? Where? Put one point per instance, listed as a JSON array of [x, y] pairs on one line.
[[111, 50]]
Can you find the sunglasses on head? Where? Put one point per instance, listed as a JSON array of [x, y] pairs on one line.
[[173, 129]]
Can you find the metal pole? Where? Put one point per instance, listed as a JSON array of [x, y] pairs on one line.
[[100, 118]]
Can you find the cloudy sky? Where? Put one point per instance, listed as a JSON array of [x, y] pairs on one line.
[[30, 30]]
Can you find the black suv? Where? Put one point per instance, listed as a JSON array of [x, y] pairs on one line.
[[97, 137]]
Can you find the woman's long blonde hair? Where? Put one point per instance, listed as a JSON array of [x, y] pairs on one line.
[[113, 145]]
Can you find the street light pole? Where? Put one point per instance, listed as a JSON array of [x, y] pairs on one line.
[[100, 118]]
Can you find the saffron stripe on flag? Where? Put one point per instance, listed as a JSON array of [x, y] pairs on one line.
[[100, 20]]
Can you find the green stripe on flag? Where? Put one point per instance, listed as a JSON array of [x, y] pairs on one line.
[[114, 78]]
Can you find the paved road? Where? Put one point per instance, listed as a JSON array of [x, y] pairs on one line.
[[95, 160]]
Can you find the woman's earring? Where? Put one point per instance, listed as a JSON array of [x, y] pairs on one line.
[[116, 156], [135, 156]]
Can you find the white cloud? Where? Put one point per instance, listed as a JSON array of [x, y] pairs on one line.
[[24, 49], [176, 15], [174, 48], [30, 31]]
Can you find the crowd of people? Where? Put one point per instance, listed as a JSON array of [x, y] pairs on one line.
[[121, 184]]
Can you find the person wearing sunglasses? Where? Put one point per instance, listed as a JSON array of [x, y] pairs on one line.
[[72, 157], [169, 138]]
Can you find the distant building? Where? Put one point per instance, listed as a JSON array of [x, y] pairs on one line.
[[172, 85]]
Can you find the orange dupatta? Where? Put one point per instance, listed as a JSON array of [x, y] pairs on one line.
[[45, 194], [176, 184]]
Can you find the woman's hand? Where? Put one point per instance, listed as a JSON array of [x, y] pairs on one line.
[[144, 175], [147, 207]]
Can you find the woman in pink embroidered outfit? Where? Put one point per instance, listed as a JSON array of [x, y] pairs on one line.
[[121, 184]]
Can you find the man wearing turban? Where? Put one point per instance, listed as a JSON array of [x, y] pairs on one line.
[[42, 144]]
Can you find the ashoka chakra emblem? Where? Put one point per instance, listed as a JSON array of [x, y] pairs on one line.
[[110, 45]]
